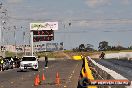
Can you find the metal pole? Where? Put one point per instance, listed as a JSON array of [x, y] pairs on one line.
[[24, 42], [15, 41], [0, 31], [31, 33], [3, 43], [0, 39]]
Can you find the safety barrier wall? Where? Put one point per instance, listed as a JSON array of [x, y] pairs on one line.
[[119, 55], [106, 74], [85, 73], [103, 75]]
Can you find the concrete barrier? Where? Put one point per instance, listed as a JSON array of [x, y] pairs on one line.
[[105, 73], [119, 55]]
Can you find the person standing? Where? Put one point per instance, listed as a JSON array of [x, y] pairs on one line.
[[1, 63], [46, 61]]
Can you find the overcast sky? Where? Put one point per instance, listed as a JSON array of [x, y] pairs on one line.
[[91, 21]]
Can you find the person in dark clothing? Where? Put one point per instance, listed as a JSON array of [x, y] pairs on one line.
[[83, 64], [46, 61], [16, 61], [102, 55], [1, 63]]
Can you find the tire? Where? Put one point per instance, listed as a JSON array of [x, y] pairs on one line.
[[21, 70], [36, 69]]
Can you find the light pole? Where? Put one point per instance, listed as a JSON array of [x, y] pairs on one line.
[[1, 31], [31, 34], [2, 38], [23, 41], [15, 39], [3, 13]]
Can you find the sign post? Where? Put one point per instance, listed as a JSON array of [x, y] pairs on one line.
[[31, 34], [42, 32]]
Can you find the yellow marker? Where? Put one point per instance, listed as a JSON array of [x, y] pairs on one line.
[[77, 58], [12, 82]]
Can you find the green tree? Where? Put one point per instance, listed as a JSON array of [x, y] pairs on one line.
[[103, 46], [89, 47], [82, 47]]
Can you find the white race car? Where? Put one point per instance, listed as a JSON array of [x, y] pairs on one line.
[[29, 62]]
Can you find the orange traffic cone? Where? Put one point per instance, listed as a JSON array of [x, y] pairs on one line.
[[57, 79], [36, 81], [43, 77]]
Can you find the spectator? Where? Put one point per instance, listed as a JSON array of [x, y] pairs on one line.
[[46, 61], [1, 63]]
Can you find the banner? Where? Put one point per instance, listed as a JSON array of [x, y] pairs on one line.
[[44, 26], [52, 46]]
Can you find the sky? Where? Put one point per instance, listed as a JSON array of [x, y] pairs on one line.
[[92, 21]]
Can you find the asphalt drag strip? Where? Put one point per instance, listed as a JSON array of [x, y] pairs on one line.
[[68, 72]]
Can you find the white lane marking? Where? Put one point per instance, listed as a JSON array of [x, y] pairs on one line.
[[12, 82], [69, 78], [22, 78], [29, 75], [2, 86], [65, 86]]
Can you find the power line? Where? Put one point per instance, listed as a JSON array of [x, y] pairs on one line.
[[98, 21], [87, 31]]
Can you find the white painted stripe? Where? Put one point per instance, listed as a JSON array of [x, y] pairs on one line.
[[111, 72]]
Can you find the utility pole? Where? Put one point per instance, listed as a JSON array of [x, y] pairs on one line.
[[24, 42], [15, 39], [31, 34], [1, 6], [3, 17]]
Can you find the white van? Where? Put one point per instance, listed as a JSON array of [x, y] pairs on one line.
[[29, 62]]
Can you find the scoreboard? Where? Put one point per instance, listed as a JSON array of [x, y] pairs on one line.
[[43, 32], [43, 35], [43, 38]]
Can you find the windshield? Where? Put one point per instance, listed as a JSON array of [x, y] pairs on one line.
[[28, 59]]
